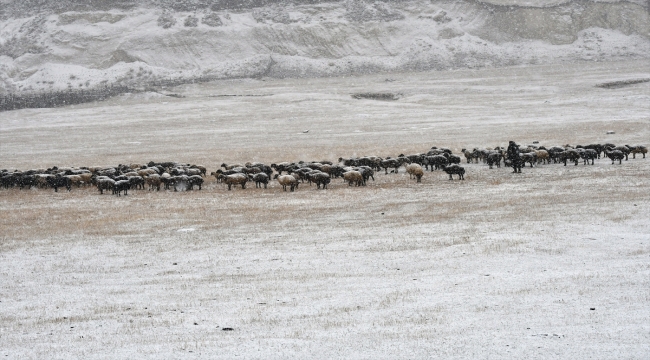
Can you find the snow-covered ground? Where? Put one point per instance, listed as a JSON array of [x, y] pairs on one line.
[[552, 263], [143, 47]]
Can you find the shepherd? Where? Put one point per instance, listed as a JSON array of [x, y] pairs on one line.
[[513, 156]]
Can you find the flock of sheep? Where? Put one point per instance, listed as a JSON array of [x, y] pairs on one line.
[[354, 171]]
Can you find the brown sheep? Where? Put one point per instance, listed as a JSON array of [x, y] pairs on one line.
[[353, 177], [235, 179]]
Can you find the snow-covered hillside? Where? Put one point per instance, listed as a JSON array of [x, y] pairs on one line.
[[140, 44]]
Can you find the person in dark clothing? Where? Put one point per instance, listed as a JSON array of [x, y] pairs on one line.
[[513, 155]]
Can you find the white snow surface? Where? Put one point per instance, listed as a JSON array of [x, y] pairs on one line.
[[89, 50]]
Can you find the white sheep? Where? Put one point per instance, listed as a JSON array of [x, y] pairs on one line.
[[415, 170], [287, 180]]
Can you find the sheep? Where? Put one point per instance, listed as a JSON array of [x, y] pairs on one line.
[[287, 180], [437, 161], [588, 154], [469, 156], [320, 178], [86, 178], [40, 180], [394, 163], [637, 149], [366, 172], [454, 169], [202, 169], [624, 149], [146, 172], [104, 183], [570, 155], [193, 172], [153, 181], [194, 180], [283, 166], [166, 179], [59, 181], [415, 158], [494, 158], [528, 157], [75, 180], [334, 170], [453, 159], [26, 181], [615, 155], [374, 162], [122, 185], [353, 177], [230, 167], [259, 178], [597, 147], [415, 170], [542, 156], [235, 179], [182, 181], [9, 180], [136, 182]]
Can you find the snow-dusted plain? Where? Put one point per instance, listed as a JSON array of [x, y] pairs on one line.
[[552, 263]]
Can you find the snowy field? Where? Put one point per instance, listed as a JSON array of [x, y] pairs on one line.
[[552, 263]]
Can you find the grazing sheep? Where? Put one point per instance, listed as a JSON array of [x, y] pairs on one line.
[[146, 172], [235, 179], [394, 163], [494, 158], [415, 170], [182, 181], [588, 154], [122, 185], [166, 179], [320, 178], [453, 159], [86, 178], [202, 169], [287, 180], [555, 153], [624, 149], [41, 180], [542, 156], [153, 181], [26, 181], [637, 149], [415, 158], [615, 155], [571, 155], [137, 182], [194, 180], [597, 147], [366, 172], [259, 178], [454, 169], [470, 156], [283, 166], [528, 157], [353, 177], [438, 161], [75, 180], [193, 172], [59, 181], [229, 167]]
